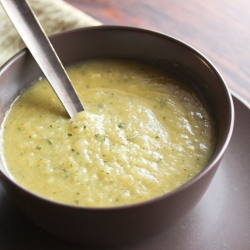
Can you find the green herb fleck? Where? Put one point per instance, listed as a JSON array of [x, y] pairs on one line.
[[69, 134], [97, 136], [49, 141], [101, 106], [122, 125]]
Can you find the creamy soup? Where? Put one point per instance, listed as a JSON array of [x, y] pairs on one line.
[[143, 134]]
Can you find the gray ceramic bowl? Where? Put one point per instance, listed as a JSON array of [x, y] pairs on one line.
[[119, 225]]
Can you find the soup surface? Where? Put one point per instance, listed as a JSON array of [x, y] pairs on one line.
[[143, 134]]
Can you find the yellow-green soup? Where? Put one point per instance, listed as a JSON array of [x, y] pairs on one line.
[[143, 134]]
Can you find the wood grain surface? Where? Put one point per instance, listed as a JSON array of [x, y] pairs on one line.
[[220, 29]]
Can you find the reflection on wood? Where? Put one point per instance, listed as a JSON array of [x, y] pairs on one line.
[[218, 29]]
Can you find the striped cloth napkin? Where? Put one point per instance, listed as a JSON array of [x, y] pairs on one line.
[[54, 15]]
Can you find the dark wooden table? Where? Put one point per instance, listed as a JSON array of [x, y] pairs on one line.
[[220, 29]]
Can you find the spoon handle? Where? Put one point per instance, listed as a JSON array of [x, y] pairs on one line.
[[40, 47]]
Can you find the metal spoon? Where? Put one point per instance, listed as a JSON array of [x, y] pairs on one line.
[[40, 47]]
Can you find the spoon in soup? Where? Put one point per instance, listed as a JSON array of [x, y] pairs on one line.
[[26, 23]]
